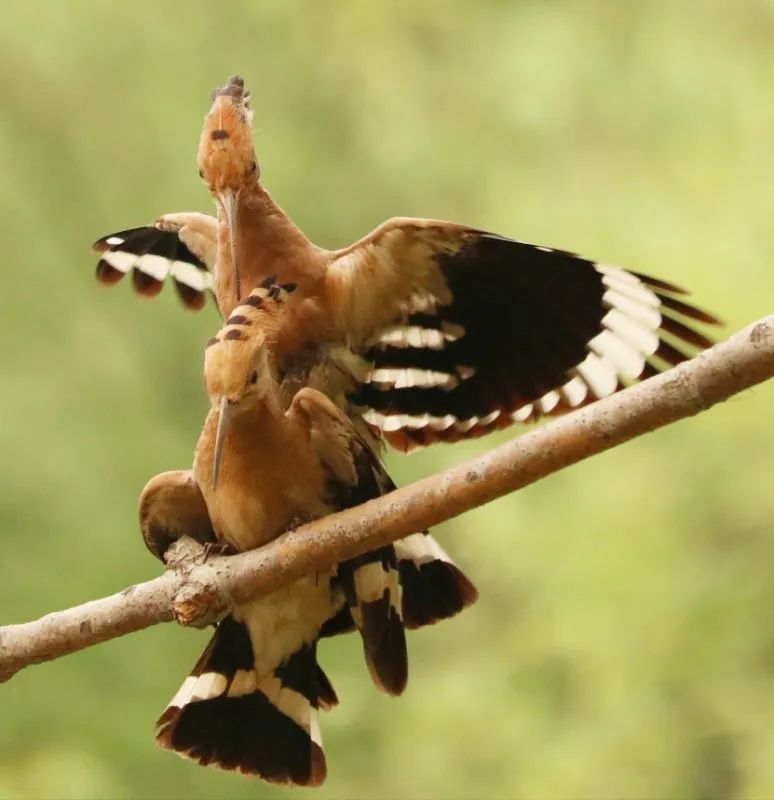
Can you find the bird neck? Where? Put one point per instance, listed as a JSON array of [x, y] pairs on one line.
[[258, 424], [268, 244], [254, 443]]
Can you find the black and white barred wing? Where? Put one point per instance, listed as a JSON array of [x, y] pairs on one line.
[[467, 331], [408, 584], [177, 247], [371, 582]]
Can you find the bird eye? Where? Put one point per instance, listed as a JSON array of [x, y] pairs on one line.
[[252, 167], [254, 377], [201, 174]]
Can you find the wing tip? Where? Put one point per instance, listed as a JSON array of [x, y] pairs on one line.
[[192, 299], [433, 590], [106, 274], [146, 285], [384, 643]]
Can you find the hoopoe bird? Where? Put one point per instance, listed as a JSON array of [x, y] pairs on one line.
[[424, 330], [251, 702]]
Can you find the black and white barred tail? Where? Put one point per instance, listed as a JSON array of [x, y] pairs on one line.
[[228, 716]]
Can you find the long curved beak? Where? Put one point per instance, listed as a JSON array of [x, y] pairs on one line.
[[230, 201], [224, 416]]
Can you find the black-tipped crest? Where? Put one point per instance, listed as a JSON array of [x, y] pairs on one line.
[[234, 87], [269, 296], [267, 300], [253, 300]]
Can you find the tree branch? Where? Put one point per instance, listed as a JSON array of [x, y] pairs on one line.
[[196, 591]]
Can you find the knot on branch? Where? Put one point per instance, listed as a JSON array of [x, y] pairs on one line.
[[199, 601], [760, 333]]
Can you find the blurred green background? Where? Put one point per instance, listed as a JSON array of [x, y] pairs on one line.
[[623, 646]]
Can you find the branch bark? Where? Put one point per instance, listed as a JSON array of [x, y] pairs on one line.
[[196, 592]]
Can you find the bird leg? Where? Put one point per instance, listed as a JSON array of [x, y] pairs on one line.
[[297, 521]]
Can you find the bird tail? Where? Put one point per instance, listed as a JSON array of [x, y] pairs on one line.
[[227, 715]]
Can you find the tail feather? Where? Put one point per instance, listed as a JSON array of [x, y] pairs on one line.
[[226, 715], [372, 587], [326, 694], [434, 587]]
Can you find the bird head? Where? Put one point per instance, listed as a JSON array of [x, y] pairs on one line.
[[226, 156], [239, 367]]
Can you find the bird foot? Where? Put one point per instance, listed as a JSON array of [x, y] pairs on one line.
[[297, 522], [217, 549]]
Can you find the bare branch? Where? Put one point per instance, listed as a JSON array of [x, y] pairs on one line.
[[196, 592]]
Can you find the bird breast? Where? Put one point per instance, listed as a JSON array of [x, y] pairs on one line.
[[268, 480]]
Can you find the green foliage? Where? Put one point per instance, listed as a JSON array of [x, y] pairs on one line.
[[622, 646]]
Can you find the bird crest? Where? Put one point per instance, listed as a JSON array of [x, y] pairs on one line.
[[234, 87], [261, 308], [226, 155]]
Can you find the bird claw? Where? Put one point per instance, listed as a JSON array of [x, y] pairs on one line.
[[217, 549], [296, 522]]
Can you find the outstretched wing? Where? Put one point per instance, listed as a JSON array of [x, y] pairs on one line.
[[468, 331], [177, 246]]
